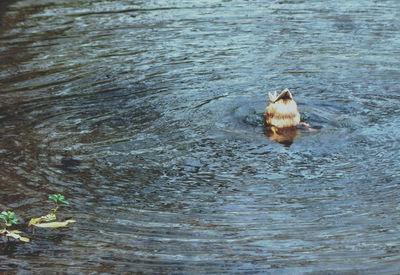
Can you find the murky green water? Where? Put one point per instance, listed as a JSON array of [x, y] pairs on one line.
[[148, 117]]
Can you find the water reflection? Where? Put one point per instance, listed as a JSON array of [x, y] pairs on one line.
[[285, 136]]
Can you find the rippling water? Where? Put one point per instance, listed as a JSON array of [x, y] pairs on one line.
[[148, 117]]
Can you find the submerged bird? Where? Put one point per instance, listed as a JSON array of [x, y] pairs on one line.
[[282, 111]]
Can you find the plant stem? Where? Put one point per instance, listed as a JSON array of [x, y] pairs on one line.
[[55, 209]]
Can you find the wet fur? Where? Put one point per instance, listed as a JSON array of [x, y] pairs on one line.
[[282, 111]]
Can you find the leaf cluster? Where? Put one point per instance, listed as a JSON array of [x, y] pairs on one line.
[[8, 218], [58, 198]]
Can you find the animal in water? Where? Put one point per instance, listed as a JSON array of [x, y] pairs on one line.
[[282, 111]]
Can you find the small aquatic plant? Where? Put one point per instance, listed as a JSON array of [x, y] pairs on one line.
[[59, 200], [9, 220], [50, 220]]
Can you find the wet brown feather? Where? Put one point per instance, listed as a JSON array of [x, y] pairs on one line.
[[282, 112]]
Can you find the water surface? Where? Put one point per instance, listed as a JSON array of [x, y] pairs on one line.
[[148, 117]]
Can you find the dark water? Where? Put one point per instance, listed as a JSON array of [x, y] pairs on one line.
[[148, 117]]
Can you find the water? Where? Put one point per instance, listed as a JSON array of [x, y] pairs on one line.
[[148, 117]]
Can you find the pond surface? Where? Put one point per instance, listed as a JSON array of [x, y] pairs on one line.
[[148, 117]]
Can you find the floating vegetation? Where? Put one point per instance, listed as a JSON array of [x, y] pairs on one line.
[[47, 218], [13, 234], [9, 219], [50, 220], [54, 224], [45, 221]]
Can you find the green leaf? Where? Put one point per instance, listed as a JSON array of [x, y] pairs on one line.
[[53, 197], [11, 221]]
